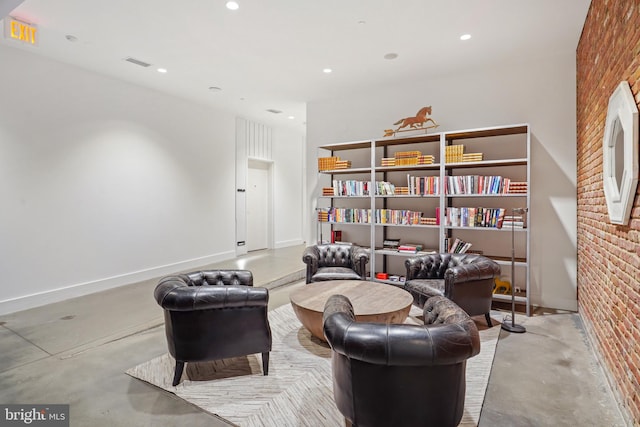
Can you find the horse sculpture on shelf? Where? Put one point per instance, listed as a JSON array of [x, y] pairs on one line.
[[416, 122]]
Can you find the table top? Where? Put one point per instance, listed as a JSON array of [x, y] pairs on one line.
[[367, 298]]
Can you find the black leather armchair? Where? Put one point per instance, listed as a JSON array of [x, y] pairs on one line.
[[335, 262], [466, 279], [400, 375], [212, 315]]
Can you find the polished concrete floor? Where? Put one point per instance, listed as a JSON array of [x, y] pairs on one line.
[[76, 352]]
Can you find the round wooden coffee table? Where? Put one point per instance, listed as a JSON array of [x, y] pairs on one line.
[[372, 302]]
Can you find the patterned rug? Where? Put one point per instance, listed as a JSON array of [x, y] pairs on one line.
[[298, 390]]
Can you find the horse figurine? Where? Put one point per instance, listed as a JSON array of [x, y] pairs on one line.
[[418, 121]]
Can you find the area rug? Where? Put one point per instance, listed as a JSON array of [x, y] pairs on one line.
[[298, 390]]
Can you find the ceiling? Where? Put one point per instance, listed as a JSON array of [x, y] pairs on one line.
[[270, 54]]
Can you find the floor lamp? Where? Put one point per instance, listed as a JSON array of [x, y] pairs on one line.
[[512, 326]]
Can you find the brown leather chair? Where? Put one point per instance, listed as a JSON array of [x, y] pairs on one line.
[[215, 314], [335, 262], [466, 279], [399, 374]]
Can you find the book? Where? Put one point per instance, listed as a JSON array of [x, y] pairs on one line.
[[459, 246], [411, 248], [391, 243]]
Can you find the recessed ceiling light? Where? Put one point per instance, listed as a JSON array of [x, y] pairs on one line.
[[327, 70], [362, 22], [71, 38], [391, 56], [465, 37], [215, 89], [291, 117], [274, 111], [162, 70], [232, 5]]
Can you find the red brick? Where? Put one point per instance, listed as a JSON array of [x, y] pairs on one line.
[[608, 255]]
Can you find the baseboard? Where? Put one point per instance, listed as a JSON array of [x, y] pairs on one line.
[[287, 243], [77, 290]]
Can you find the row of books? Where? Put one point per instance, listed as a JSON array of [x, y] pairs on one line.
[[349, 187], [479, 184], [363, 216], [423, 185], [475, 217], [418, 185], [459, 246], [429, 185], [454, 217], [397, 216]]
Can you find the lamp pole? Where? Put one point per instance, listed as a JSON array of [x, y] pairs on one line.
[[513, 327]]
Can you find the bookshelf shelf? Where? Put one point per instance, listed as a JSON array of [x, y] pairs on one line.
[[391, 252], [486, 163], [345, 197], [501, 230], [346, 171], [407, 225], [501, 151], [433, 166], [407, 196], [486, 195]]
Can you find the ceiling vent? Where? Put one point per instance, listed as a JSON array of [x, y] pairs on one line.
[[137, 62], [274, 111]]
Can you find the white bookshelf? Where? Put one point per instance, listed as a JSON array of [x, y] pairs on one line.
[[506, 153]]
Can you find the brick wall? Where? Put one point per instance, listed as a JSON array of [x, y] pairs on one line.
[[608, 255]]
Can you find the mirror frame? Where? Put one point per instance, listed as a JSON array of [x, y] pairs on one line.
[[622, 113]]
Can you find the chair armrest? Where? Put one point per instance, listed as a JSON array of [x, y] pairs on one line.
[[172, 293], [310, 256], [443, 343], [359, 258]]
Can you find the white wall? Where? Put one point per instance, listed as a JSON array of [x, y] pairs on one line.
[[103, 183], [541, 93], [289, 186]]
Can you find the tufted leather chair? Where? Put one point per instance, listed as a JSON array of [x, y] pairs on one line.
[[335, 262], [400, 375], [466, 279], [212, 315]]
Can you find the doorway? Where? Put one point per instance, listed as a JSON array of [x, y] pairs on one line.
[[259, 205]]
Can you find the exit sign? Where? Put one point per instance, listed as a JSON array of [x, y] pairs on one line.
[[20, 31]]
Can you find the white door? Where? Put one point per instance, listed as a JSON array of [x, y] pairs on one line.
[[257, 206]]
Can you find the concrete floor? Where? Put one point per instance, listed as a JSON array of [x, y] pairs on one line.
[[76, 352]]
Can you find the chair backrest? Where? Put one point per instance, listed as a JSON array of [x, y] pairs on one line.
[[436, 266], [405, 375], [334, 255], [220, 277]]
